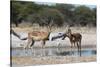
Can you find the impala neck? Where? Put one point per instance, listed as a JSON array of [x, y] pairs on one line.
[[69, 33]]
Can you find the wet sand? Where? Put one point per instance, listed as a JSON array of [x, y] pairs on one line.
[[42, 60], [24, 61]]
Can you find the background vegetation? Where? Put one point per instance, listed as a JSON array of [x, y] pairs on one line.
[[52, 14]]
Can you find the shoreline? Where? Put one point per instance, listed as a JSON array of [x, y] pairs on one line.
[[51, 60], [45, 60], [67, 47]]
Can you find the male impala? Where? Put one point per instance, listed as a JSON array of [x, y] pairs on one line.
[[37, 36]]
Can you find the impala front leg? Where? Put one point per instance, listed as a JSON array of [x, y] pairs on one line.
[[78, 47], [71, 47], [43, 44], [28, 43]]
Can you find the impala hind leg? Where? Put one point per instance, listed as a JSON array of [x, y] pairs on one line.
[[32, 43], [80, 47]]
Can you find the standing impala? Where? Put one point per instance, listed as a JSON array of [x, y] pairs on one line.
[[37, 36], [75, 39]]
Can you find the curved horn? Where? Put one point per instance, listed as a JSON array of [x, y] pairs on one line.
[[14, 33]]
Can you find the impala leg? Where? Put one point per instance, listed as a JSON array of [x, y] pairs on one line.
[[32, 43], [74, 44], [43, 44], [71, 48], [28, 43], [71, 45], [80, 47]]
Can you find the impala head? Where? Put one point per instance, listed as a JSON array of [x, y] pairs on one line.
[[68, 32]]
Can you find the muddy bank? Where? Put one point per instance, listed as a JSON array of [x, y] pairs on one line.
[[51, 60]]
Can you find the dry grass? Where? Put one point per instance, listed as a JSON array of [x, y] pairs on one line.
[[83, 30]]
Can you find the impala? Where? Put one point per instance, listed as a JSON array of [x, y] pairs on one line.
[[37, 36], [75, 39]]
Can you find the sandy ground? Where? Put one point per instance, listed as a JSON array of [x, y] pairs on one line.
[[24, 61]]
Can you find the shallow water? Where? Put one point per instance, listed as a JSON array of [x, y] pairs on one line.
[[50, 52]]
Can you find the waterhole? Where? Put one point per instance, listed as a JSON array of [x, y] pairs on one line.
[[50, 52]]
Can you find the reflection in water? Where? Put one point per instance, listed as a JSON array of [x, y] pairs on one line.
[[50, 52]]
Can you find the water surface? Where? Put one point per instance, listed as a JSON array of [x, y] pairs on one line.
[[50, 52]]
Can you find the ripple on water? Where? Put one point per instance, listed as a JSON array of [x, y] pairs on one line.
[[50, 52]]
